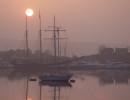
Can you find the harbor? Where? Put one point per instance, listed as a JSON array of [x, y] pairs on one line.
[[64, 50]]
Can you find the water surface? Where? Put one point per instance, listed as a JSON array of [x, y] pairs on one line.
[[89, 85]]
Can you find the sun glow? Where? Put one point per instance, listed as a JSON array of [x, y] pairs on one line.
[[29, 99], [29, 12]]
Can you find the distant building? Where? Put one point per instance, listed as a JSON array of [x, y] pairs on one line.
[[121, 51], [106, 51]]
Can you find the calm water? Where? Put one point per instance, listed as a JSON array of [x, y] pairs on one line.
[[88, 85]]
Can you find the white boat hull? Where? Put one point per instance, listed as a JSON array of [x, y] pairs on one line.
[[55, 83], [57, 77]]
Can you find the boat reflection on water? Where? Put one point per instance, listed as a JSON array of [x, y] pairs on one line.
[[57, 87]]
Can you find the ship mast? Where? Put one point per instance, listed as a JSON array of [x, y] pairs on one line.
[[27, 39], [55, 41], [58, 34], [56, 30], [40, 32]]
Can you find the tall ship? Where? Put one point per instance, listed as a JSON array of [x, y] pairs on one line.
[[55, 58]]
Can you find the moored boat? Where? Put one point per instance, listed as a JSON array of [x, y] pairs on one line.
[[55, 77], [117, 65]]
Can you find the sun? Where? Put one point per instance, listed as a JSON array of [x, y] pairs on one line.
[[29, 12]]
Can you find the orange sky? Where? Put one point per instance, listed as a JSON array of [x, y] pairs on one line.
[[103, 21]]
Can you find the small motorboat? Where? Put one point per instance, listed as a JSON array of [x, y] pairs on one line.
[[55, 77]]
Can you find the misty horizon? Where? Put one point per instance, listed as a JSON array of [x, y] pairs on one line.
[[76, 48]]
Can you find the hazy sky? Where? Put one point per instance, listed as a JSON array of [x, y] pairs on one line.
[[103, 21]]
